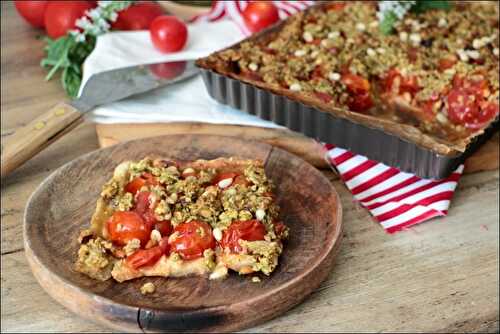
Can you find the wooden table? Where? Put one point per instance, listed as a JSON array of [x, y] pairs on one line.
[[438, 276]]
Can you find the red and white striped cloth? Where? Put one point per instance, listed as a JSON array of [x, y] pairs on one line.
[[233, 9], [397, 200]]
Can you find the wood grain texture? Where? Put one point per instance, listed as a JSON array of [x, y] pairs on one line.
[[440, 276], [486, 158], [27, 141], [309, 205]]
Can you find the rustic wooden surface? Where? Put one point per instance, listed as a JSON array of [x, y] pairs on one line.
[[52, 228], [438, 276]]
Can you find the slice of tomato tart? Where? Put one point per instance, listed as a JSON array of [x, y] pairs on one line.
[[168, 218]]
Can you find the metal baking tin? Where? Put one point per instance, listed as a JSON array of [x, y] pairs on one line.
[[370, 142]]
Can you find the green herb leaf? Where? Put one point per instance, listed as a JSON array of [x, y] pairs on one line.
[[423, 5], [387, 23], [66, 55]]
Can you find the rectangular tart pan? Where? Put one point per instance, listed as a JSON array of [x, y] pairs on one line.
[[373, 143]]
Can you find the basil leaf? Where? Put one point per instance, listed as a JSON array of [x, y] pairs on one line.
[[423, 5], [388, 22]]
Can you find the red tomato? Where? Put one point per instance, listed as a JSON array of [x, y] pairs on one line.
[[361, 102], [124, 226], [395, 83], [145, 208], [326, 98], [193, 238], [464, 109], [164, 227], [446, 63], [249, 230], [279, 228], [168, 70], [138, 16], [355, 83], [335, 6], [259, 15], [241, 179], [223, 176], [32, 11], [60, 16], [148, 257], [146, 179], [168, 34]]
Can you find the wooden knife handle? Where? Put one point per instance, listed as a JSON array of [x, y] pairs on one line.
[[36, 135]]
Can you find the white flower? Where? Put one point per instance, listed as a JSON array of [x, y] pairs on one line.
[[83, 23]]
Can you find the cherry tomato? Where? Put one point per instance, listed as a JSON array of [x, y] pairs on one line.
[[279, 228], [446, 63], [145, 207], [138, 16], [463, 109], [168, 70], [223, 176], [395, 83], [241, 179], [259, 15], [326, 98], [360, 102], [124, 226], [336, 6], [146, 179], [32, 11], [249, 230], [61, 16], [355, 83], [148, 257], [168, 34], [164, 227], [193, 238]]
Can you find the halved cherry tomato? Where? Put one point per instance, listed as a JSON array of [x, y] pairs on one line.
[[463, 108], [124, 226], [279, 227], [192, 239], [259, 15], [355, 83], [146, 179], [147, 257], [446, 63], [335, 6], [323, 97], [395, 83], [144, 207], [164, 227], [249, 230], [361, 102], [241, 179], [223, 176], [467, 104]]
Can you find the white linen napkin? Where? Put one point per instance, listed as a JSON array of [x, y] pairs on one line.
[[180, 102]]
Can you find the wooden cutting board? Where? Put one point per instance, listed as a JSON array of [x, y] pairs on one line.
[[486, 158]]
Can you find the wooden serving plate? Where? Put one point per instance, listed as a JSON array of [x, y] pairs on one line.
[[63, 204]]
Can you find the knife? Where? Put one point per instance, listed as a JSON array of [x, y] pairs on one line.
[[101, 88]]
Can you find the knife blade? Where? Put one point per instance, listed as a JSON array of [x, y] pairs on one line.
[[101, 88]]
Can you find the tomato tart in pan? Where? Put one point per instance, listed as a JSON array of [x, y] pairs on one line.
[[433, 81], [166, 218]]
